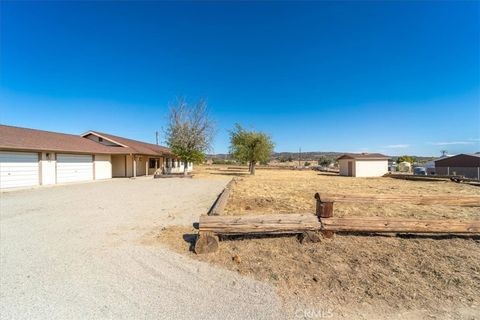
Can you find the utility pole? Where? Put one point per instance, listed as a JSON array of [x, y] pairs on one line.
[[299, 156], [156, 136]]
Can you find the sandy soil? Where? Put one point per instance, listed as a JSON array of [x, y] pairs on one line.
[[353, 276]]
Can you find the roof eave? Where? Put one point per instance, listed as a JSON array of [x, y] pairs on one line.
[[103, 137]]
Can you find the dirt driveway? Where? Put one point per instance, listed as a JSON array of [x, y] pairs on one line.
[[76, 251]]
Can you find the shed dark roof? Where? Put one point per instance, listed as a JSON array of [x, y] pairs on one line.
[[364, 156], [16, 138], [137, 146], [459, 160]]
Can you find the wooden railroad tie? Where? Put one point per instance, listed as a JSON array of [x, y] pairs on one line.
[[210, 227]]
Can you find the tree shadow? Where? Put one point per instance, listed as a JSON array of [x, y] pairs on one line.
[[238, 174], [329, 174]]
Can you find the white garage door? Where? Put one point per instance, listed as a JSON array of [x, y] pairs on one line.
[[74, 167], [18, 169]]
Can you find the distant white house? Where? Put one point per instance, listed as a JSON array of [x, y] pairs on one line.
[[404, 166], [363, 164]]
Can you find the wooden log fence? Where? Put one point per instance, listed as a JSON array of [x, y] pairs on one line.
[[400, 225], [219, 205], [325, 223], [447, 200], [259, 224]]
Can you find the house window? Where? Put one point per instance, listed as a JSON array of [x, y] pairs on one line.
[[151, 163], [100, 139]]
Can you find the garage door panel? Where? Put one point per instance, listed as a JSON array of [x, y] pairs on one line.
[[18, 169], [12, 167], [71, 168]]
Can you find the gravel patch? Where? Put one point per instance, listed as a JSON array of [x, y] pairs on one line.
[[75, 251]]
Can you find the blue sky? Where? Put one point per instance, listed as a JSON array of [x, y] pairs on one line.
[[391, 77]]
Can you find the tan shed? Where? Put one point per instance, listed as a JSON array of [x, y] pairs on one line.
[[363, 164]]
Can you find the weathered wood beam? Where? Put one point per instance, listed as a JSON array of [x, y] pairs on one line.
[[219, 205], [206, 242], [259, 224], [449, 200], [375, 224]]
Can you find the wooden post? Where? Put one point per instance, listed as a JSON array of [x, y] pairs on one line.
[[206, 242], [324, 210], [134, 163], [147, 164]]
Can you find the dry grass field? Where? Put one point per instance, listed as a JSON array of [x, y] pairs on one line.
[[375, 276], [286, 191]]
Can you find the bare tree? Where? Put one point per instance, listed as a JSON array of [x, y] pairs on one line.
[[190, 131]]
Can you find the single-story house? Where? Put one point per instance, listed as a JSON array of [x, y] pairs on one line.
[[467, 165], [30, 157], [363, 164]]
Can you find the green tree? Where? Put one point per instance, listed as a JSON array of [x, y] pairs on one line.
[[190, 131], [250, 146], [406, 158], [324, 161]]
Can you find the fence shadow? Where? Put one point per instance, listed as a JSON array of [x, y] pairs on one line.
[[190, 238], [433, 236]]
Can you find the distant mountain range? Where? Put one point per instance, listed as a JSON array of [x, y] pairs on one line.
[[308, 156]]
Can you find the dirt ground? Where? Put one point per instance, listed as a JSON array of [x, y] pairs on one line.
[[404, 276]]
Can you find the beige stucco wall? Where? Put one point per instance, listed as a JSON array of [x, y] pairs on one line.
[[47, 168], [118, 165], [343, 165], [129, 166], [141, 165], [370, 168], [103, 166]]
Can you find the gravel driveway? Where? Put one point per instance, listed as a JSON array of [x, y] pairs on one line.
[[74, 252]]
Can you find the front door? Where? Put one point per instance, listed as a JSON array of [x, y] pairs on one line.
[[350, 168]]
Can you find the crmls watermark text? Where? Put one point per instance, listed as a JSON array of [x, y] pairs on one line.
[[313, 313]]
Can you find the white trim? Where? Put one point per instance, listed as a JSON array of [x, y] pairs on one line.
[[103, 137]]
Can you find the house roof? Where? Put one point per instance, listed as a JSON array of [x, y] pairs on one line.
[[135, 145], [24, 139], [16, 138], [364, 156]]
